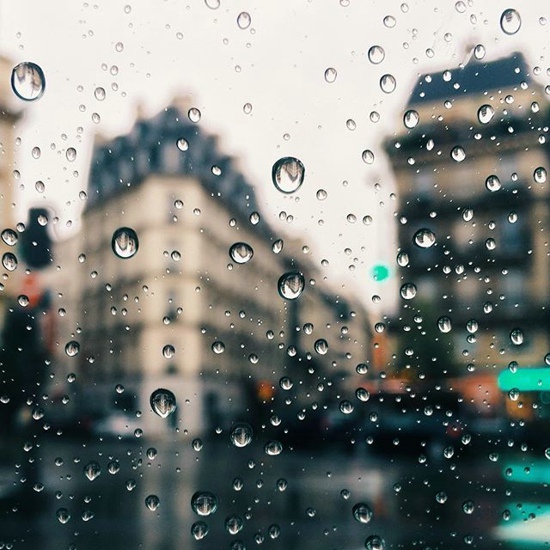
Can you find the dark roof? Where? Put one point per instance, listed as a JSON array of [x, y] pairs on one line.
[[474, 78]]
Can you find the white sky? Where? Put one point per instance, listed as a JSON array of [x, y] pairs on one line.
[[278, 66]]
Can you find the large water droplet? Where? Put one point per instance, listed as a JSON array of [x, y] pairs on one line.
[[152, 502], [28, 81], [367, 156], [288, 174], [218, 347], [510, 21], [163, 402], [485, 113], [444, 324], [516, 336], [388, 83], [9, 261], [458, 154], [492, 183], [321, 346], [241, 253], [411, 119], [540, 175], [204, 503], [244, 20], [72, 348], [408, 291], [9, 236], [92, 470], [273, 448], [376, 54], [375, 542], [241, 434], [362, 512], [291, 285], [199, 530], [125, 242], [424, 238]]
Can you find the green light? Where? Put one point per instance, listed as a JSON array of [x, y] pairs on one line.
[[532, 379], [380, 272]]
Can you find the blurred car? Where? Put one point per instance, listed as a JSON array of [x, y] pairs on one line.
[[116, 425]]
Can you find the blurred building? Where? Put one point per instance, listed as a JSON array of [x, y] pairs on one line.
[[181, 313], [471, 169]]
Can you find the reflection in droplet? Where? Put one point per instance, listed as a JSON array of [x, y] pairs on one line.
[[125, 242], [510, 21], [288, 174], [516, 336], [152, 502], [241, 434], [540, 175], [72, 348], [330, 75], [241, 253], [321, 346], [376, 54], [408, 291], [28, 81], [291, 285], [244, 20], [212, 4], [492, 183], [362, 512], [388, 83], [458, 154], [92, 470], [444, 324], [485, 113], [163, 402], [204, 503], [424, 238]]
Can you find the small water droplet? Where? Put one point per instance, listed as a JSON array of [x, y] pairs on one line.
[[513, 394], [468, 214], [241, 253], [234, 524], [152, 502], [330, 75], [291, 285], [199, 529], [458, 154], [362, 394], [28, 81], [424, 238], [367, 156], [182, 144], [411, 119], [510, 21], [441, 497], [517, 337], [472, 326], [288, 174], [485, 113], [125, 242], [204, 503], [408, 291], [244, 20], [376, 54], [492, 183], [70, 154], [468, 507], [218, 347], [194, 115], [241, 434], [212, 4], [168, 351], [345, 406], [388, 83], [375, 542], [540, 175], [444, 324], [273, 448], [321, 346], [163, 402], [99, 93], [92, 470], [63, 515], [402, 259], [72, 348], [9, 236], [9, 261], [362, 512], [286, 383]]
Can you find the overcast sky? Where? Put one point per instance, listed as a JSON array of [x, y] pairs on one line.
[[147, 52]]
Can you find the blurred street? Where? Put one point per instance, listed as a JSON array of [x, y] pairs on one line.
[[299, 499]]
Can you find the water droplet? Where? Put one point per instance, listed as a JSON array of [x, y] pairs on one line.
[[408, 291], [9, 261], [152, 502], [444, 324], [516, 336], [291, 285], [194, 115], [39, 186], [233, 524], [367, 156], [485, 113], [70, 154], [540, 175], [458, 154], [125, 242], [63, 515], [375, 542], [286, 383], [241, 434], [247, 108], [468, 507], [72, 348], [288, 174], [376, 54], [441, 497], [99, 93], [204, 503], [362, 394], [388, 83], [36, 152], [424, 238], [468, 214], [273, 448], [547, 453], [244, 20], [182, 144], [492, 183], [362, 512], [9, 236], [330, 75], [350, 125], [113, 467], [212, 4], [199, 529], [168, 351], [472, 326], [218, 347], [277, 246], [479, 52], [510, 21], [345, 406], [321, 346], [163, 402], [411, 119], [241, 253], [513, 394], [362, 368], [28, 81], [92, 470], [403, 259], [389, 21]]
